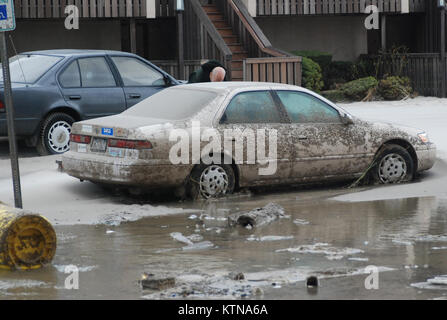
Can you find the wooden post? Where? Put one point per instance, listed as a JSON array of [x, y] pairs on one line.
[[133, 36], [181, 58], [383, 32]]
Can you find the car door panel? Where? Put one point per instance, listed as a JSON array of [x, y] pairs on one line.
[[323, 145], [138, 78], [248, 118], [89, 86]]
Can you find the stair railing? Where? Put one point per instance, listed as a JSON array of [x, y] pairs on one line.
[[244, 26], [203, 41]]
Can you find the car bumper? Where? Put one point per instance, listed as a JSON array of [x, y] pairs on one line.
[[23, 127], [128, 172], [426, 157]]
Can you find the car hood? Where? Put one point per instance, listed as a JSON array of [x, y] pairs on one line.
[[413, 131]]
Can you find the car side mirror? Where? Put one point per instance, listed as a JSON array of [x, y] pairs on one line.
[[346, 119]]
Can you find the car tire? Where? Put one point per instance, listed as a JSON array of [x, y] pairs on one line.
[[393, 164], [211, 181], [54, 135]]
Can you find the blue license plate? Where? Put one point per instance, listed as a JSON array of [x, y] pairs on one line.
[[107, 131]]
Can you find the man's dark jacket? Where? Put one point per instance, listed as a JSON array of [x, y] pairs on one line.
[[203, 73]]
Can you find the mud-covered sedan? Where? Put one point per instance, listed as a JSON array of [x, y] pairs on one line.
[[53, 88], [212, 138]]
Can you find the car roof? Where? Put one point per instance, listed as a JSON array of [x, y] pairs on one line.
[[238, 85], [77, 52]]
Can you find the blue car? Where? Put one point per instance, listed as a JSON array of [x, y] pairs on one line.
[[54, 88]]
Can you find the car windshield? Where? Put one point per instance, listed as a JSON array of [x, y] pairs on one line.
[[172, 104], [27, 68]]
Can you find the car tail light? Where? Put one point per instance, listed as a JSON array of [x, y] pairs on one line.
[[130, 144], [2, 107], [80, 138]]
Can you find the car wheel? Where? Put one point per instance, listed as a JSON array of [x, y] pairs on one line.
[[211, 181], [394, 164], [54, 136]]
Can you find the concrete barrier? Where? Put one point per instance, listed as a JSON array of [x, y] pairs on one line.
[[27, 240]]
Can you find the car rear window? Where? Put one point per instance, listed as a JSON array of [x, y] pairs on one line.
[[27, 68], [172, 104]]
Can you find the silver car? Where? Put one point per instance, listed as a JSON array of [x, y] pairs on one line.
[[212, 138]]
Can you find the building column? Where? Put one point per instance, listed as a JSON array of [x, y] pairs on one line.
[[383, 32]]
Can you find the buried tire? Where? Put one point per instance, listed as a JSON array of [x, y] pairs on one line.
[[54, 135], [211, 181], [394, 164]]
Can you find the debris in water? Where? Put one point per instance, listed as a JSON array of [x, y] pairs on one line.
[[199, 246], [439, 280], [300, 222], [181, 238], [153, 282], [358, 259], [269, 238], [257, 217], [332, 253], [312, 281], [237, 276], [195, 237]]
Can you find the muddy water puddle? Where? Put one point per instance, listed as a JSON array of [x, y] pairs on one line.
[[405, 238]]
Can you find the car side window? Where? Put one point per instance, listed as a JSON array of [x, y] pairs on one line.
[[137, 73], [305, 108], [252, 107], [70, 77], [95, 73]]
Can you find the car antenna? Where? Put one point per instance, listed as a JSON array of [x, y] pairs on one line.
[[18, 58]]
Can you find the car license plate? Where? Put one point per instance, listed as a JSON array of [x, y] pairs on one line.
[[99, 145]]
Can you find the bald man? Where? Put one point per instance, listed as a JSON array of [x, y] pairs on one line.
[[208, 72], [218, 74]]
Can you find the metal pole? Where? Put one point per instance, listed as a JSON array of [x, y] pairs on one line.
[[10, 121], [442, 49], [181, 58]]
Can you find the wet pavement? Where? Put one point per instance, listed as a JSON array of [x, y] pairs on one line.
[[335, 240]]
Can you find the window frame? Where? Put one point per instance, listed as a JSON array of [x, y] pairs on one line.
[[281, 111], [118, 73], [76, 60], [275, 93]]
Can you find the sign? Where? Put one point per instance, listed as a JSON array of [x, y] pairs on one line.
[[7, 18]]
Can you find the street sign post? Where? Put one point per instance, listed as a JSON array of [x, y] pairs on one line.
[[8, 23]]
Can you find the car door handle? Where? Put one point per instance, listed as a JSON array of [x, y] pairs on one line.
[[134, 95], [75, 97]]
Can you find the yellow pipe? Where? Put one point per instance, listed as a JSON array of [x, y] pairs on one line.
[[27, 240]]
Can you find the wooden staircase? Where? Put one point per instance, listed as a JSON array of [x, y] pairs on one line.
[[232, 40]]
